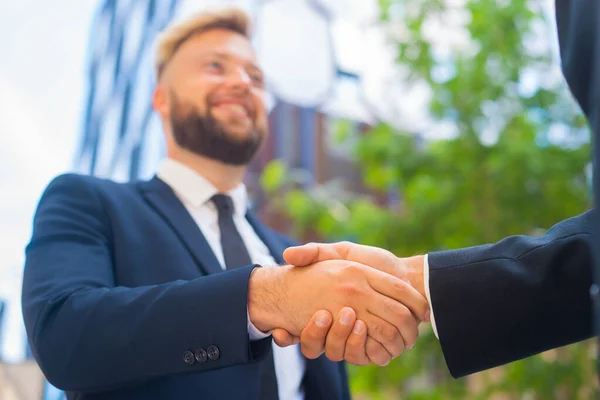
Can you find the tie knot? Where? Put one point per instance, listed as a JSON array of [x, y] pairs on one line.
[[223, 203]]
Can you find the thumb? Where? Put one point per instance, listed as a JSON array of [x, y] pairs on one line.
[[301, 256]]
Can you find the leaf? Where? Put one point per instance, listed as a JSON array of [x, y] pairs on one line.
[[273, 176]]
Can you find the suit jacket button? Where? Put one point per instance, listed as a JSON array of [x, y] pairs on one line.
[[201, 355], [188, 357], [213, 352]]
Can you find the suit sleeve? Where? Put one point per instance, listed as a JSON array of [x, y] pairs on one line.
[[87, 334], [578, 27], [499, 303]]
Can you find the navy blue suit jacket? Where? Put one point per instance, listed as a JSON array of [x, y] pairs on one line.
[[502, 302], [121, 290]]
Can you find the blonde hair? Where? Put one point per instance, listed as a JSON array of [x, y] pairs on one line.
[[169, 41]]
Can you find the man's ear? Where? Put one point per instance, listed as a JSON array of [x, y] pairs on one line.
[[160, 101]]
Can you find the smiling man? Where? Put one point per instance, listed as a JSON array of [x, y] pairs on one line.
[[160, 289]]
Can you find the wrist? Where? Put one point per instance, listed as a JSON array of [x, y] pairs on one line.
[[414, 272], [265, 300]]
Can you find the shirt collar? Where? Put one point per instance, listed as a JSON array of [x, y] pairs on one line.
[[195, 190]]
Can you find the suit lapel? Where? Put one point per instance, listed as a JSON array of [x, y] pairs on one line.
[[321, 380], [161, 197]]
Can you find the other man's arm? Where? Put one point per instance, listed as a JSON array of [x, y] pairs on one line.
[[498, 303]]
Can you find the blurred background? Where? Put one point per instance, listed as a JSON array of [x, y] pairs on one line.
[[408, 124]]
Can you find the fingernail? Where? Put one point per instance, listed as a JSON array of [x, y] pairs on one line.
[[427, 316], [322, 320], [410, 347], [358, 328], [346, 317]]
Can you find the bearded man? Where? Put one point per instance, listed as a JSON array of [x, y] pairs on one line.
[[161, 289]]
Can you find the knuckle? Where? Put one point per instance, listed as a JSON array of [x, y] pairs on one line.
[[390, 334], [405, 317], [392, 308], [350, 289], [400, 287], [345, 246], [389, 255], [372, 347], [351, 269], [386, 332], [377, 330], [402, 316]]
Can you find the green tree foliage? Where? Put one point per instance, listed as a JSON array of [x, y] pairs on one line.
[[503, 172]]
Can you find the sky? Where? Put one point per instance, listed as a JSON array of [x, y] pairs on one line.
[[42, 86]]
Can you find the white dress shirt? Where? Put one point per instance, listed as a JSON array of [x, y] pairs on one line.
[[426, 282], [195, 192]]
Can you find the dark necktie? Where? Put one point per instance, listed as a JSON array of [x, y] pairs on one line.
[[236, 255]]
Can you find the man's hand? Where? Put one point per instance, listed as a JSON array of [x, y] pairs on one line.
[[409, 269], [287, 297], [329, 336]]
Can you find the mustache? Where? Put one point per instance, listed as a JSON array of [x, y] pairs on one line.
[[243, 100]]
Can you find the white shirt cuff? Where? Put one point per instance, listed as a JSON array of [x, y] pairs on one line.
[[426, 282], [253, 331]]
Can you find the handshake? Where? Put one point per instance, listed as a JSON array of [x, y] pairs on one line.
[[378, 301]]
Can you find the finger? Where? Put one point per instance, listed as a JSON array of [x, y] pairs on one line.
[[399, 316], [385, 333], [310, 253], [314, 335], [355, 345], [400, 291], [375, 257], [377, 353], [283, 338], [335, 344]]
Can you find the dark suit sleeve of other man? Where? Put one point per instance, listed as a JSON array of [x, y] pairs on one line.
[[88, 334], [499, 303]]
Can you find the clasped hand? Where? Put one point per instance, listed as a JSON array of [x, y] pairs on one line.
[[374, 325]]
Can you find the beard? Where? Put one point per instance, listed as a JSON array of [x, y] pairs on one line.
[[205, 136]]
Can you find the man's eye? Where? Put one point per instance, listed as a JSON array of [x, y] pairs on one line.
[[257, 79], [215, 65]]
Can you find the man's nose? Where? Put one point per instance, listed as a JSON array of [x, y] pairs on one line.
[[239, 78]]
